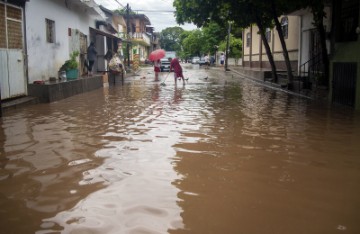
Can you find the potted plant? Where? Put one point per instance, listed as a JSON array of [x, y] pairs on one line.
[[71, 66]]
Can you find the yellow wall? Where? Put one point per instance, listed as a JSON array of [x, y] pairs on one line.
[[255, 40], [292, 42], [246, 49]]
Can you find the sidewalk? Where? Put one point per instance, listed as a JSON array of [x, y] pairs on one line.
[[57, 90], [264, 76]]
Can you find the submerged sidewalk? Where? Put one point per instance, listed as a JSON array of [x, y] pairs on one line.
[[263, 75], [51, 91]]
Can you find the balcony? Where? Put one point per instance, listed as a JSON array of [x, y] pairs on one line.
[[140, 37]]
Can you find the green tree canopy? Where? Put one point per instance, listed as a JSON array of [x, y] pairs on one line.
[[213, 34], [170, 38], [235, 47], [193, 43]]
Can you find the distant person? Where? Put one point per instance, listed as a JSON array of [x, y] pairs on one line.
[[222, 59], [91, 57], [176, 67], [207, 61], [157, 65]]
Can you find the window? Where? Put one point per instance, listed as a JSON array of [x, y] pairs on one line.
[[248, 40], [347, 21], [268, 35], [50, 31], [285, 26]]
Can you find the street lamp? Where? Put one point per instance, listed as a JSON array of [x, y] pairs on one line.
[[227, 51], [216, 49]]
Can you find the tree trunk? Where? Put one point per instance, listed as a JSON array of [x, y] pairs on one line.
[[319, 15], [324, 54], [267, 49], [283, 45]]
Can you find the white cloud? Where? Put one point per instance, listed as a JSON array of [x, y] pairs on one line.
[[156, 10]]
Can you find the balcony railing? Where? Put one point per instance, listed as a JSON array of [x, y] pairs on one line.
[[140, 36]]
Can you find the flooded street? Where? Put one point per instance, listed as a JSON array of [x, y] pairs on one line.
[[219, 155]]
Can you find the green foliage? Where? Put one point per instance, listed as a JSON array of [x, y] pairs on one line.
[[124, 12], [235, 46], [170, 38], [213, 34], [192, 45], [72, 63], [202, 41]]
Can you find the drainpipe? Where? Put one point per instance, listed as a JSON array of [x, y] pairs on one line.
[[26, 62], [300, 47], [6, 54]]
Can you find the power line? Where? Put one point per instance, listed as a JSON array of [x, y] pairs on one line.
[[155, 11], [119, 3]]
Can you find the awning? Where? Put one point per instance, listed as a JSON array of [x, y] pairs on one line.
[[97, 31]]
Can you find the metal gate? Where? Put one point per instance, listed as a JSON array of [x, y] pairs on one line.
[[12, 81], [344, 83]]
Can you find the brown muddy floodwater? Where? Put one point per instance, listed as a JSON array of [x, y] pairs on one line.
[[219, 155]]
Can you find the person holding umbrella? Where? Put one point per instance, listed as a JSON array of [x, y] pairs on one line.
[[155, 56]]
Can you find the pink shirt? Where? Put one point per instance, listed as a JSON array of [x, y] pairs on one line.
[[175, 65]]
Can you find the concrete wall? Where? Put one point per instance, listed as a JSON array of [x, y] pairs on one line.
[[306, 25], [293, 35], [257, 51], [348, 53], [45, 59]]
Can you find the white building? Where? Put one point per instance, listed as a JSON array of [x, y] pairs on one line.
[[54, 29], [38, 36]]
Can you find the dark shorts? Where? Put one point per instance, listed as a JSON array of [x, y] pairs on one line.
[[222, 62], [157, 69]]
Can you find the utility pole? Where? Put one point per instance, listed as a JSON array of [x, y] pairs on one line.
[[216, 49], [128, 33], [0, 103], [227, 47]]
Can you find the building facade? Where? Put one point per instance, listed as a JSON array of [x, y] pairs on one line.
[[254, 54], [54, 29]]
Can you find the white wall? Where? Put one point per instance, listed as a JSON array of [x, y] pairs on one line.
[[45, 59], [306, 26]]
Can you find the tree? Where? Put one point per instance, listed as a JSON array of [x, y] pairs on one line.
[[193, 44], [274, 12], [213, 34], [242, 12], [235, 47], [182, 53], [170, 38], [317, 8]]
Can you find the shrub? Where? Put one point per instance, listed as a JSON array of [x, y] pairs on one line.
[[72, 63]]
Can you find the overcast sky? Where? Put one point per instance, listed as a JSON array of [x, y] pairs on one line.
[[156, 10]]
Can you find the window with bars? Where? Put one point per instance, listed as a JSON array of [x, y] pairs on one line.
[[248, 40], [347, 20], [285, 26], [50, 31]]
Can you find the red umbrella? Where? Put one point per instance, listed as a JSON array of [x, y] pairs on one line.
[[157, 54]]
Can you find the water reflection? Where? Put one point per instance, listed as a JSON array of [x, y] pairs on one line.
[[220, 155], [267, 163]]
